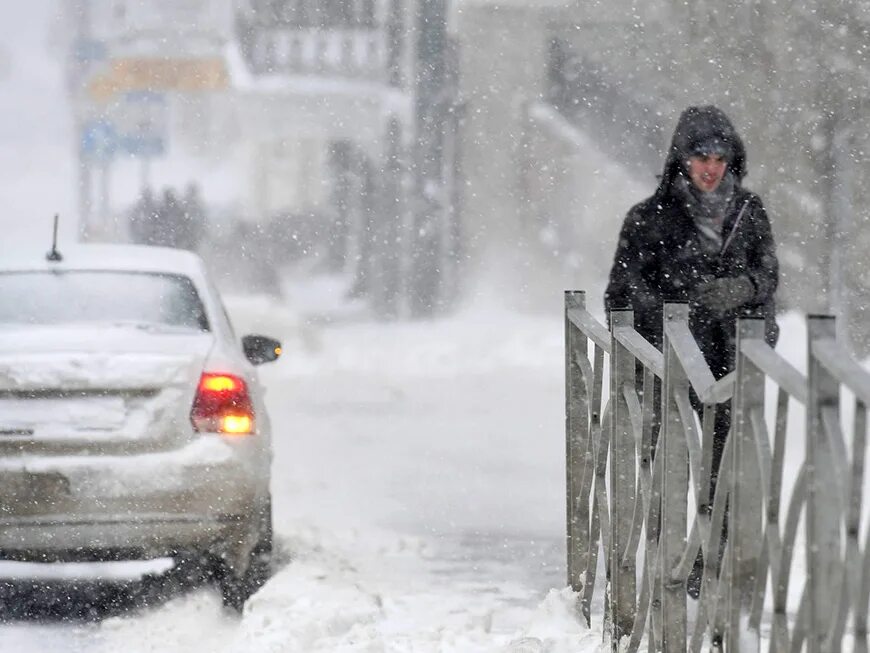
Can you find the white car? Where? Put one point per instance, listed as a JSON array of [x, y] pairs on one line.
[[132, 422]]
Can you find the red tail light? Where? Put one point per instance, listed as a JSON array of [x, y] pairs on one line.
[[222, 405]]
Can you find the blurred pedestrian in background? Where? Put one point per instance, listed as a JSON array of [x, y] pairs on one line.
[[172, 222], [191, 228], [143, 218], [168, 220]]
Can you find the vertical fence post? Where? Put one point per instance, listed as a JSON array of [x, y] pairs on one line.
[[822, 523], [623, 484], [576, 443], [745, 522], [675, 487]]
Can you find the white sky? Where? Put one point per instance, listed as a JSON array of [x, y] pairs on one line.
[[36, 159]]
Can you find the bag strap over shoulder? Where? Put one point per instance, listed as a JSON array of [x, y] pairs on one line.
[[734, 228]]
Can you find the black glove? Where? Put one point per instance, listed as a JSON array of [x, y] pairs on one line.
[[722, 295]]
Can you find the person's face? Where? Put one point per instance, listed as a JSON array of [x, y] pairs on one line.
[[706, 171]]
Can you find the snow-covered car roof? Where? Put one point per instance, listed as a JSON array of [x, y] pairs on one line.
[[126, 258]]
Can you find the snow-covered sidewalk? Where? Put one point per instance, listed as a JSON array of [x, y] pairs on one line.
[[419, 486]]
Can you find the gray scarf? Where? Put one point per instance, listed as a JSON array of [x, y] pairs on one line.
[[708, 210]]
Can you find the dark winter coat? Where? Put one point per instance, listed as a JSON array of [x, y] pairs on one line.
[[660, 257]]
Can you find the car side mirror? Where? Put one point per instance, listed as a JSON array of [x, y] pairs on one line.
[[261, 349]]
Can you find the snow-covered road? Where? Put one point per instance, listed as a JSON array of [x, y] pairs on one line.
[[418, 492]]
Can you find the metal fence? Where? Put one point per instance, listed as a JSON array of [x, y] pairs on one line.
[[795, 570]]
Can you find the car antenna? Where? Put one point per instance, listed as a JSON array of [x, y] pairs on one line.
[[54, 255]]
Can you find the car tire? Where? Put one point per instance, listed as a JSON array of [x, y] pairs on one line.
[[192, 570], [236, 588]]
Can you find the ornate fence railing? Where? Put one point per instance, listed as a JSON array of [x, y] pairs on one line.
[[639, 477]]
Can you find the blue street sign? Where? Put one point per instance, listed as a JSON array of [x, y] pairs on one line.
[[87, 50], [98, 140], [141, 123]]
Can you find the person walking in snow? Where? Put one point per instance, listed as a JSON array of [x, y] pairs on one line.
[[142, 219], [704, 239], [169, 218], [191, 228]]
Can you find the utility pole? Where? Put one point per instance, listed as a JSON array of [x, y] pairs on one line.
[[82, 11], [430, 200]]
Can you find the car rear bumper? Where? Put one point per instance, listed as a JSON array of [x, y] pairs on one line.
[[60, 538], [202, 497]]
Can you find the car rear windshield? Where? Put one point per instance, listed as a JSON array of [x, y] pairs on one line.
[[100, 297]]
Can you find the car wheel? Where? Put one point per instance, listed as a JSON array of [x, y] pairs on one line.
[[192, 570], [236, 588]]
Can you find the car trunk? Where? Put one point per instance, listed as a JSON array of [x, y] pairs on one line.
[[88, 390]]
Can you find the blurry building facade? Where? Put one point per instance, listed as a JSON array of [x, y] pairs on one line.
[[314, 112]]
